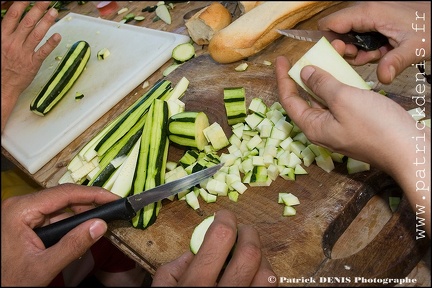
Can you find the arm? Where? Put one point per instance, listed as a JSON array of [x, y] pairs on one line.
[[247, 266], [363, 125], [405, 24], [23, 254], [19, 60]]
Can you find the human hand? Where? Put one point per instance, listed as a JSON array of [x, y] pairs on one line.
[[358, 123], [20, 62], [406, 25], [24, 259], [246, 267]]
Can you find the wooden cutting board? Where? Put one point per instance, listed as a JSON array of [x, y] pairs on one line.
[[299, 246]]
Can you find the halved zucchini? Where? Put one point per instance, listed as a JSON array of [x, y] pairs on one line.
[[65, 75]]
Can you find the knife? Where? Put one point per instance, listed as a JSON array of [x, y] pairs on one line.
[[124, 208], [364, 41]]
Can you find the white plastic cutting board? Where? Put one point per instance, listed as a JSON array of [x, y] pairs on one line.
[[136, 53]]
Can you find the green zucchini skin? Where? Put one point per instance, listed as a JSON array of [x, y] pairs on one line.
[[151, 165], [186, 129], [63, 78], [235, 104]]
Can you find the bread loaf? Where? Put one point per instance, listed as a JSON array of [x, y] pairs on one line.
[[253, 31], [246, 6], [207, 22]]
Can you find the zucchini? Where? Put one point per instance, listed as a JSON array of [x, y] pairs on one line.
[[186, 129], [119, 149], [216, 136], [65, 75], [163, 13], [152, 158], [333, 63], [189, 158], [198, 234], [103, 54], [235, 104], [183, 52], [128, 119]]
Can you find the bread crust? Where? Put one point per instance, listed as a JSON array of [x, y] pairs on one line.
[[204, 24], [246, 6], [256, 29]]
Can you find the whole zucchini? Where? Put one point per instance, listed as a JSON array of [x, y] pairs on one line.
[[70, 68]]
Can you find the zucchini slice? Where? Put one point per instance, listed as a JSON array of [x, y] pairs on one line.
[[199, 232], [65, 75], [186, 129], [183, 52]]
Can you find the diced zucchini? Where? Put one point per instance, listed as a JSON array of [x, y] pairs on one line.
[[235, 104], [103, 54], [355, 166], [216, 136]]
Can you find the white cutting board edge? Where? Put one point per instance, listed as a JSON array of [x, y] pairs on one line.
[[136, 53]]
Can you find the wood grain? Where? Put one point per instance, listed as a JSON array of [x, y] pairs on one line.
[[299, 246], [343, 227]]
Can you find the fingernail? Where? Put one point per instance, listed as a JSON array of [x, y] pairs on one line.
[[97, 229], [53, 12], [306, 72], [392, 72]]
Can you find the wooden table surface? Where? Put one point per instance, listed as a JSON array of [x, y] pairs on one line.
[[142, 246]]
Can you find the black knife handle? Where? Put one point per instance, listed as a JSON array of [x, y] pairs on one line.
[[116, 210], [367, 41]]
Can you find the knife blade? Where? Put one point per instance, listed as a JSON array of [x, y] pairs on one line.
[[124, 208], [364, 41]]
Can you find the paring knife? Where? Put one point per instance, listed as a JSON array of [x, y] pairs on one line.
[[124, 208], [365, 41]]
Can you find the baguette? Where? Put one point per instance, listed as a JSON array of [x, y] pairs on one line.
[[207, 22], [246, 6], [253, 31]]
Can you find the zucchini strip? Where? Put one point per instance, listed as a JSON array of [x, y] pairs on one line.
[[151, 166]]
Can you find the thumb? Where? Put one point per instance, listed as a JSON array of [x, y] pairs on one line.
[[321, 83], [76, 242]]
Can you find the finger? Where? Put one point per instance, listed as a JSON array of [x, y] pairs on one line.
[[30, 20], [321, 83], [57, 198], [289, 97], [348, 19], [46, 49], [396, 61], [170, 273], [40, 30], [75, 243], [12, 17], [218, 242], [245, 260], [265, 275]]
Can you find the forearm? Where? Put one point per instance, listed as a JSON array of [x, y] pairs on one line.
[[411, 170]]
